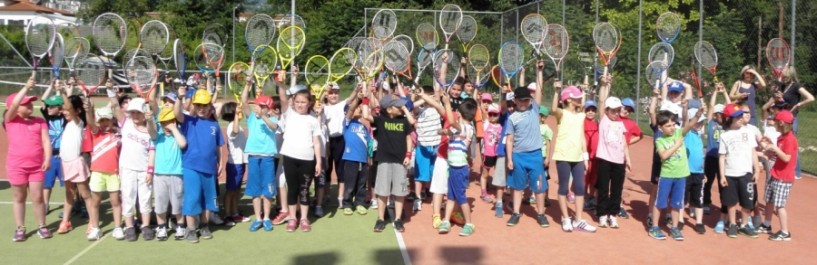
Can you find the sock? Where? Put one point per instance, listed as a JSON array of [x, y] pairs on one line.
[[767, 223], [266, 218]]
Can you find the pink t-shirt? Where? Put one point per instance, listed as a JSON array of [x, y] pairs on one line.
[[490, 140], [25, 142], [611, 140]]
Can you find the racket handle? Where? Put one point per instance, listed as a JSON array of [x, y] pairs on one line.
[[162, 88], [33, 73], [605, 71]]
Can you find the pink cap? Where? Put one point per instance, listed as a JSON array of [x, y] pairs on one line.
[[570, 92], [487, 97], [493, 108], [26, 99]]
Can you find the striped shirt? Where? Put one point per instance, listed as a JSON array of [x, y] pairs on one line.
[[428, 127], [458, 145]]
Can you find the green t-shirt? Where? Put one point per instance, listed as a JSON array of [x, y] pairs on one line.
[[547, 136], [676, 165]]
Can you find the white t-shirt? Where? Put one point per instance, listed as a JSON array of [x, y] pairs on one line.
[[71, 141], [298, 135], [428, 127], [235, 145], [334, 118], [135, 147], [738, 146]]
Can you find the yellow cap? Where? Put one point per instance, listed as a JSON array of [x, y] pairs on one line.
[[166, 115], [202, 96]]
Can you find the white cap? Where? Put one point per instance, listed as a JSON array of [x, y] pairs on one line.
[[334, 86], [532, 86], [294, 89], [509, 96], [104, 113], [612, 103], [691, 114], [137, 104], [719, 108]]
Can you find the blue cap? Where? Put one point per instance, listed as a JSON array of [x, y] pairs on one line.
[[590, 103], [628, 102], [171, 96], [190, 92], [676, 86], [409, 103], [694, 104]]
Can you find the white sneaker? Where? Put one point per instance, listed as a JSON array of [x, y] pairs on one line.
[[582, 225], [418, 205], [215, 219], [374, 204], [603, 221], [94, 234], [161, 233], [566, 226], [181, 232], [118, 233], [613, 222]]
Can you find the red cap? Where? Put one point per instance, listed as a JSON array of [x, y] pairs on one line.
[[784, 116], [26, 99], [732, 110], [263, 100]]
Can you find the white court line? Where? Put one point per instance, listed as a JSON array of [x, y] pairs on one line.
[[402, 245], [73, 259]]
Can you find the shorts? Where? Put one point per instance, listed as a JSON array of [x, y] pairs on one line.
[[235, 174], [566, 170], [52, 174], [695, 190], [391, 180], [260, 177], [133, 187], [168, 189], [199, 192], [424, 158], [527, 170], [439, 180], [75, 170], [499, 177], [18, 176], [777, 192], [457, 183], [656, 168], [101, 182], [671, 189], [739, 190], [489, 161]]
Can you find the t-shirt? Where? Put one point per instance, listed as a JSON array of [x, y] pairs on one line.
[[391, 136], [105, 157], [490, 138], [87, 145], [71, 141], [335, 117], [738, 146], [676, 165], [458, 145], [591, 136], [261, 139], [55, 129], [500, 147], [478, 119], [569, 137], [695, 150], [300, 128], [168, 155], [791, 94], [713, 135], [750, 100], [547, 136], [442, 149], [235, 145], [204, 139], [524, 127], [611, 140], [771, 133], [356, 139], [135, 147], [632, 129], [428, 127], [782, 170], [25, 141]]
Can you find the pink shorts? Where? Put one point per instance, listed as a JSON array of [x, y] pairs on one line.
[[75, 170], [22, 176]]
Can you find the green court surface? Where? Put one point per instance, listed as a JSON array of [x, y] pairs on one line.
[[334, 239]]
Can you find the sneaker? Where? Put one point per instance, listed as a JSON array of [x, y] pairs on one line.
[[361, 210], [590, 204], [228, 221], [764, 229], [130, 234], [180, 233], [348, 211], [255, 225], [719, 227], [65, 227], [205, 232], [623, 213], [732, 231], [498, 211], [241, 219], [457, 218], [542, 220], [161, 233], [444, 228], [467, 230], [191, 236], [292, 225], [95, 234], [436, 221], [676, 234], [513, 220], [373, 204], [215, 219], [379, 226], [571, 197], [780, 236], [19, 234], [305, 226], [613, 222], [267, 225], [412, 196], [566, 224], [281, 218], [603, 221], [486, 198], [418, 205], [398, 225], [700, 229], [656, 233], [532, 200], [148, 233], [748, 231], [582, 225], [318, 211], [44, 232], [118, 233]]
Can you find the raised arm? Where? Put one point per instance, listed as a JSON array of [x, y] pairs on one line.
[[15, 103], [114, 101], [554, 105], [177, 106], [90, 116], [245, 94], [540, 81], [66, 106], [807, 98], [604, 92], [654, 102], [712, 101], [47, 91]]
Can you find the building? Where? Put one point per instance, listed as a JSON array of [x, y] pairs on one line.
[[19, 12]]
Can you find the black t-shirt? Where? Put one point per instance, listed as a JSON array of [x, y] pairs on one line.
[[455, 103], [791, 94], [391, 139]]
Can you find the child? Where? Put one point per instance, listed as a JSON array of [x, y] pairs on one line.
[[392, 131], [52, 112], [261, 146], [202, 162], [335, 113], [633, 136], [737, 148], [714, 129], [779, 187], [431, 105], [29, 156], [492, 130], [674, 170], [168, 186], [354, 163], [695, 182], [459, 136], [499, 180], [236, 159], [104, 169], [591, 137], [612, 157], [428, 141]]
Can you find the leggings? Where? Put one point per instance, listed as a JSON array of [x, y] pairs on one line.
[[336, 146], [565, 170], [609, 186], [299, 174], [712, 172]]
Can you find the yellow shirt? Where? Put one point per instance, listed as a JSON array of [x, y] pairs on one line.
[[569, 137]]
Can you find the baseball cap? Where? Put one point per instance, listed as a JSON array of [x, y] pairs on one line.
[[521, 93], [166, 115], [676, 86], [486, 97], [691, 114], [780, 104], [612, 103], [694, 104], [103, 113], [718, 108], [137, 104], [171, 96], [263, 100], [294, 89], [510, 96], [493, 108], [784, 116], [570, 92], [628, 102], [544, 111], [55, 100], [334, 86], [389, 101], [732, 110], [202, 96], [590, 103], [532, 86]]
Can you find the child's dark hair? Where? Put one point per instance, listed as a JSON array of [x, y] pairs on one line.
[[727, 122], [276, 105], [77, 104], [122, 99], [664, 117], [459, 81], [228, 111], [428, 89], [467, 109]]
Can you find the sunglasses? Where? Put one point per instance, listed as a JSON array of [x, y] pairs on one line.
[[493, 114]]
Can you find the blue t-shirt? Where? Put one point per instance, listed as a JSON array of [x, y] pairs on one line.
[[55, 129], [204, 138], [168, 155], [713, 134], [500, 147], [356, 138], [695, 151], [524, 125], [261, 139]]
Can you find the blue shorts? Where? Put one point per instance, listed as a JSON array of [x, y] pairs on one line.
[[457, 183], [54, 173], [527, 170], [261, 177], [235, 173], [199, 192], [424, 158], [671, 189]]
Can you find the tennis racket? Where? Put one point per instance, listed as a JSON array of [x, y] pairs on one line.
[[556, 45], [607, 41], [467, 32], [70, 43], [496, 75], [424, 58], [214, 33], [662, 51], [237, 76], [56, 55], [316, 74], [397, 58], [778, 55], [406, 41], [91, 73], [260, 31], [208, 57], [534, 27], [369, 59], [427, 36], [479, 59], [40, 35], [384, 23], [707, 56], [695, 79], [265, 59], [654, 73], [179, 59], [511, 56], [450, 20], [449, 59], [110, 33], [289, 20], [668, 26], [154, 37], [75, 55], [290, 44], [142, 72], [341, 64]]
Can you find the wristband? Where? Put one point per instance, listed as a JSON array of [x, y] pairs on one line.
[[366, 101], [585, 156], [408, 155], [150, 170]]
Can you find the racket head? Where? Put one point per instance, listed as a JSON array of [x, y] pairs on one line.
[[706, 54], [396, 56], [369, 58], [91, 73], [83, 47], [130, 54], [260, 31], [427, 36], [478, 77], [265, 58], [449, 58], [316, 70], [468, 29], [668, 25], [140, 70], [56, 55], [384, 23], [214, 33], [534, 26], [661, 51], [778, 55], [154, 36], [289, 20], [654, 73], [69, 34], [557, 42], [424, 58], [479, 57], [406, 41], [179, 58], [511, 58], [342, 63], [40, 36], [496, 75], [110, 33], [208, 57], [290, 44], [606, 37], [237, 76], [450, 20]]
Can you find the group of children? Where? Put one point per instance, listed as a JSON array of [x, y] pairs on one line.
[[150, 153]]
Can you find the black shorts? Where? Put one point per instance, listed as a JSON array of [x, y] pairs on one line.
[[695, 190], [739, 190], [656, 169], [489, 161]]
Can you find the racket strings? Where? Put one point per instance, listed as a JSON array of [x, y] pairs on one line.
[[260, 31], [396, 56], [778, 53], [452, 62], [706, 54], [662, 51], [479, 57], [316, 70], [427, 36], [450, 19], [213, 34], [141, 70], [557, 42], [606, 37], [341, 63], [154, 36], [91, 72], [237, 77], [533, 27], [467, 30], [110, 33], [57, 52], [40, 36], [383, 24], [511, 58], [668, 26]]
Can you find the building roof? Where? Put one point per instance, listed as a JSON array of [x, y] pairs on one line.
[[30, 7]]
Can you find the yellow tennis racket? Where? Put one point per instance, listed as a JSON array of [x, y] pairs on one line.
[[290, 43], [317, 74], [265, 58]]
